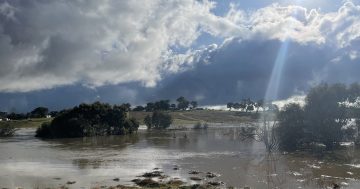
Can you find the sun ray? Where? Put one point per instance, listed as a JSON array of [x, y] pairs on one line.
[[276, 75]]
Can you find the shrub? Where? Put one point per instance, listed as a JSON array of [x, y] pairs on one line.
[[44, 130], [290, 130], [7, 130], [89, 120]]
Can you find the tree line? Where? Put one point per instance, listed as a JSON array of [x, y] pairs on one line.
[[160, 119], [39, 112], [161, 105], [247, 105], [165, 105]]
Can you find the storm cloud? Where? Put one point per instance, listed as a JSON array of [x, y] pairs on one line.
[[321, 48], [118, 51]]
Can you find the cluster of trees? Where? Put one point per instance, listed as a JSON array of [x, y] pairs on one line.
[[165, 105], [158, 120], [39, 112], [325, 118], [3, 115], [90, 120], [247, 105]]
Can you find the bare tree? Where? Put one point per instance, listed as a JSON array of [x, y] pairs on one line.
[[263, 132]]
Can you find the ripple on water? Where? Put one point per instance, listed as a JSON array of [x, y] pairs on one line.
[[98, 160]]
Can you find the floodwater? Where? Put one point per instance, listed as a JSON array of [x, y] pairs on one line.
[[28, 162]]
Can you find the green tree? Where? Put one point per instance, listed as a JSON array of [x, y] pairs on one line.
[[3, 115], [249, 108], [324, 113], [259, 104], [322, 120], [39, 112], [15, 116], [183, 104], [127, 106], [241, 106], [230, 105], [89, 120], [53, 113], [291, 127], [162, 105], [150, 106], [194, 104], [158, 120], [139, 109], [148, 121], [236, 105], [173, 106]]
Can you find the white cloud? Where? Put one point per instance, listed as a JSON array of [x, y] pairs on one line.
[[95, 43], [297, 99], [353, 55]]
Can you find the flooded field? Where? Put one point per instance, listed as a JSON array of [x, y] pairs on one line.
[[93, 162]]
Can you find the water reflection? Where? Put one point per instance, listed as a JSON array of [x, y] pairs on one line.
[[94, 161], [95, 143], [88, 163]]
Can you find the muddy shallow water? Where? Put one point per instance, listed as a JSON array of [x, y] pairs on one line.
[[32, 163]]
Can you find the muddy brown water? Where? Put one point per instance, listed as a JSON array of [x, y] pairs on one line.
[[28, 162]]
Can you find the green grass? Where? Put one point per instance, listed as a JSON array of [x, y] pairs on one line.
[[195, 116], [179, 118], [27, 123]]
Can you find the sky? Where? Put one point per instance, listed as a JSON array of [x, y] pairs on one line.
[[61, 53]]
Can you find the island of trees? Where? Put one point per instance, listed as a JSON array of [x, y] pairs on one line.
[[97, 119], [165, 105]]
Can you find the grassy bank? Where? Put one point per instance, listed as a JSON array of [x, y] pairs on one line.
[[194, 116], [179, 117], [27, 123]]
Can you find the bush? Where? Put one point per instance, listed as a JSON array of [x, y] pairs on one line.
[[7, 130], [89, 120], [44, 130], [290, 130], [158, 120], [323, 119]]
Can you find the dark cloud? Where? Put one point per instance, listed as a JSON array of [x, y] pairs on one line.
[[61, 53], [239, 69], [242, 69]]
